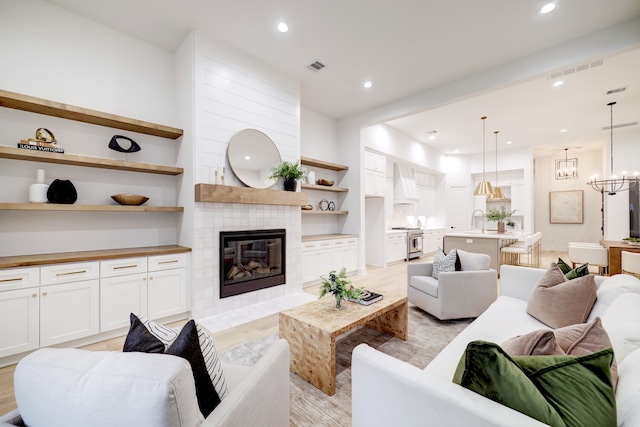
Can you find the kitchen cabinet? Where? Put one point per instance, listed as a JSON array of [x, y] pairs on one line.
[[396, 247], [167, 286], [20, 320], [345, 254], [432, 240], [375, 170]]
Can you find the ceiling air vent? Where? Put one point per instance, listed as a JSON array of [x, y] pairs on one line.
[[618, 90], [576, 69], [316, 66]]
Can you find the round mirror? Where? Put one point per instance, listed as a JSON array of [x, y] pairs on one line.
[[252, 154]]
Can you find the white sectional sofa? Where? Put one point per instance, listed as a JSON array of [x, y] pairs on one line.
[[387, 391]]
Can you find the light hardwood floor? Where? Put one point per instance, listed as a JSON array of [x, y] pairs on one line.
[[393, 277]]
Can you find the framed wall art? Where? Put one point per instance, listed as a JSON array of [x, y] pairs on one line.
[[566, 207]]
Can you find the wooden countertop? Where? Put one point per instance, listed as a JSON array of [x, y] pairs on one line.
[[314, 237], [56, 258]]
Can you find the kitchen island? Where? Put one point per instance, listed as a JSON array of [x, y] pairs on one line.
[[488, 243]]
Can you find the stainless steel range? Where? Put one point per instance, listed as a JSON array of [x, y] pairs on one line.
[[414, 241]]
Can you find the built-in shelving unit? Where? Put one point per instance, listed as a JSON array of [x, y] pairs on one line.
[[57, 109], [314, 212], [322, 164], [324, 188], [92, 162], [65, 111]]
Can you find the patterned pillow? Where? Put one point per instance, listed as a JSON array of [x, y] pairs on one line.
[[191, 343], [444, 262]]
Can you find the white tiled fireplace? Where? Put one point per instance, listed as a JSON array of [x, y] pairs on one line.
[[209, 220]]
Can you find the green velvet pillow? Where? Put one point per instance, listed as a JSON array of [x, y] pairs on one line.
[[562, 391], [572, 273]]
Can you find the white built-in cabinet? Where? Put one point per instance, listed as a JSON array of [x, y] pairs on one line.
[[53, 304], [375, 171], [396, 246], [432, 239], [319, 257]]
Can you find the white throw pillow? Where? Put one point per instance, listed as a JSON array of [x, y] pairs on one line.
[[610, 289], [622, 323], [444, 262], [470, 261], [628, 390]]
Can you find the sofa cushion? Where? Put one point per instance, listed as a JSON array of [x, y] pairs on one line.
[[622, 322], [575, 340], [610, 289], [556, 390], [191, 343], [628, 390], [470, 261], [425, 284], [444, 262], [558, 302]]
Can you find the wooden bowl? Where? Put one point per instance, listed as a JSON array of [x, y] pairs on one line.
[[129, 199]]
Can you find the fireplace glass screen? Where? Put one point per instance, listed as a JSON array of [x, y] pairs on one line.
[[251, 260]]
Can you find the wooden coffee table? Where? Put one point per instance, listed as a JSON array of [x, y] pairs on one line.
[[311, 330]]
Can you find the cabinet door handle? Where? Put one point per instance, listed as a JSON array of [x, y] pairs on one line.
[[15, 279], [34, 295], [44, 294], [125, 266], [168, 262], [151, 278], [70, 273]]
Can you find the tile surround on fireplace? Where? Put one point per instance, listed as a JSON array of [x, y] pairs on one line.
[[209, 220]]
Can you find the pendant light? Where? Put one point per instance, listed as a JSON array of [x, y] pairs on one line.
[[497, 193], [483, 188]]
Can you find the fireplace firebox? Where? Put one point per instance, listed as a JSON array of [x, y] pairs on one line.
[[251, 260]]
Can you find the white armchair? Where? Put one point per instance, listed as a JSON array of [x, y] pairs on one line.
[[455, 294]]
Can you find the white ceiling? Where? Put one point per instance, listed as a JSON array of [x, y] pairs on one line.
[[405, 47]]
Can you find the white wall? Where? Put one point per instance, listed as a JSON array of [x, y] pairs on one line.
[[318, 136], [233, 92], [76, 61]]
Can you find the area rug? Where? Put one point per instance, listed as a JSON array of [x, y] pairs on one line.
[[311, 407]]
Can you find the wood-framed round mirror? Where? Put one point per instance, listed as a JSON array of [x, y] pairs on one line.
[[251, 155]]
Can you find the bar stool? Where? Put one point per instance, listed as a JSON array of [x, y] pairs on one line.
[[511, 254], [631, 263], [591, 253]]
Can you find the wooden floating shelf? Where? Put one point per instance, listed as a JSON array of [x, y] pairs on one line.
[[230, 194], [81, 256], [322, 164], [93, 162], [313, 212], [85, 115], [324, 188], [86, 208]]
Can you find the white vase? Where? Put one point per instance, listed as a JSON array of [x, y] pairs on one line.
[[38, 191]]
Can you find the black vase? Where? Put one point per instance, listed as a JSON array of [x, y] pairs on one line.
[[62, 192], [290, 184]]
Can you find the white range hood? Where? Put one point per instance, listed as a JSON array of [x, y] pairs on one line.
[[404, 185]]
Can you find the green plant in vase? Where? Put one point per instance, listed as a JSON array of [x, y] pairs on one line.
[[291, 172], [339, 286], [499, 216]]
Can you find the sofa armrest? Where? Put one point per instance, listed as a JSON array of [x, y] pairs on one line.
[[419, 269], [389, 392], [518, 282], [262, 397], [12, 418]]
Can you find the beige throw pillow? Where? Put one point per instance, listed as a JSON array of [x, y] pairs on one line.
[[558, 302], [536, 343]]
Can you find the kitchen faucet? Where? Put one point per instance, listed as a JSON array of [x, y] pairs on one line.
[[473, 216]]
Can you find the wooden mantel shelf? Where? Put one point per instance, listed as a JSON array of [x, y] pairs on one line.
[[229, 194]]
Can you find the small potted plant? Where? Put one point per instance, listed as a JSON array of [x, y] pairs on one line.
[[291, 172], [339, 286], [499, 216]]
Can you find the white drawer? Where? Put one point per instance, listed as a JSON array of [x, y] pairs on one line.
[[67, 273], [324, 244], [310, 246], [19, 278], [167, 262], [123, 266], [348, 241]]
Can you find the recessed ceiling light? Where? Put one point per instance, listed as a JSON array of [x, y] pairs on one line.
[[547, 8], [282, 27], [509, 142], [432, 137], [564, 130], [247, 157], [368, 84], [456, 151], [558, 83]]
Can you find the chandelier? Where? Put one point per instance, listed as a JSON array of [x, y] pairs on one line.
[[483, 188], [567, 168], [497, 193], [614, 184]]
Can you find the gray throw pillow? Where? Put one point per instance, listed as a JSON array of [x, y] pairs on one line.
[[444, 262]]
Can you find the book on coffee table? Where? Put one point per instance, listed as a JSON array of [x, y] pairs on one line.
[[367, 298]]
